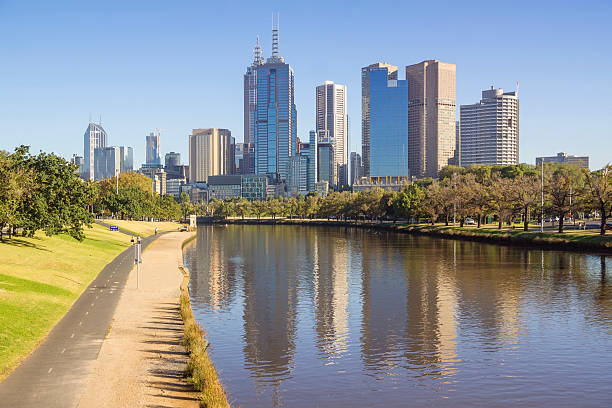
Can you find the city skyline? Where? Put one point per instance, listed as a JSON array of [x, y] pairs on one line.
[[174, 96]]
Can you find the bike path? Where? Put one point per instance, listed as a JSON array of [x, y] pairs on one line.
[[56, 373]]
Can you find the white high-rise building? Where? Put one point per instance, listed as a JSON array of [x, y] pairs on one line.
[[95, 137], [490, 129], [331, 117]]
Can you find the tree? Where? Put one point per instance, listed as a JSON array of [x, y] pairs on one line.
[[243, 207], [185, 203], [408, 202], [258, 208], [525, 193], [500, 193], [599, 188], [561, 182]]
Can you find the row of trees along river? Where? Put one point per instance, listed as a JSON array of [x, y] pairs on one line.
[[506, 193], [44, 192]]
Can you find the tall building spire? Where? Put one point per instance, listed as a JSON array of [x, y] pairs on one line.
[[257, 54], [275, 53]]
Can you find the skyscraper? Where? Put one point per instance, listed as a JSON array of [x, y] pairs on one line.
[[431, 116], [325, 159], [127, 158], [211, 153], [356, 167], [331, 117], [153, 154], [388, 124], [107, 162], [250, 94], [275, 114], [95, 137], [490, 129], [365, 108]]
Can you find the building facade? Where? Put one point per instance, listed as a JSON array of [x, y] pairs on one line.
[[127, 158], [489, 129], [331, 117], [431, 117], [224, 186], [95, 137], [211, 152], [581, 161], [275, 114], [152, 149], [298, 175], [365, 107], [388, 124], [356, 167], [325, 160], [254, 187]]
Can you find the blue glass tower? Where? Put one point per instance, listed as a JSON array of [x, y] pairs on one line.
[[275, 115], [388, 124]]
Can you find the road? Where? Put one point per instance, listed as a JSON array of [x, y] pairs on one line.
[[56, 373]]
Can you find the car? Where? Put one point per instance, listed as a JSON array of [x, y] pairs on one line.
[[608, 225], [469, 221]]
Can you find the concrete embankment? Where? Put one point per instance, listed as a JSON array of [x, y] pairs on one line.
[[585, 242]]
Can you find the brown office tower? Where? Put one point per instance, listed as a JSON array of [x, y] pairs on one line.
[[431, 117]]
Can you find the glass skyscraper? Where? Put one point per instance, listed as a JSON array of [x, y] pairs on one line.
[[274, 112], [387, 122]]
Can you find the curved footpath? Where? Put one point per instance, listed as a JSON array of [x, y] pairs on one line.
[[117, 346]]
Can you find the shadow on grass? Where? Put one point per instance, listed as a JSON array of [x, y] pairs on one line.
[[22, 243]]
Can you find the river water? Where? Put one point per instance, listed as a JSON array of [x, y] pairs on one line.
[[324, 316]]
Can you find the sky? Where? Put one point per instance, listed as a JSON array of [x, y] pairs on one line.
[[179, 65]]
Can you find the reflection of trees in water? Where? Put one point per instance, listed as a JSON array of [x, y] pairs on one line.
[[417, 294], [213, 271]]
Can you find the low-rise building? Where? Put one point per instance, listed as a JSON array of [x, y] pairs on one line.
[[581, 161], [224, 186], [386, 183], [322, 188], [254, 186]]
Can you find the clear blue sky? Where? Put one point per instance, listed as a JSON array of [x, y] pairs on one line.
[[179, 65]]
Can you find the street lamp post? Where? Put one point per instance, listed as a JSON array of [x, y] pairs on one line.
[[137, 258], [542, 200]]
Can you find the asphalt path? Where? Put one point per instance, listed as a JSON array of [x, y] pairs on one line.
[[56, 373]]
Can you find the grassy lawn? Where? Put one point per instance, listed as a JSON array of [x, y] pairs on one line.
[[144, 228], [40, 278]]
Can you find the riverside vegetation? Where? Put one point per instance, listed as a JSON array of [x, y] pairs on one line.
[[200, 368], [500, 194]]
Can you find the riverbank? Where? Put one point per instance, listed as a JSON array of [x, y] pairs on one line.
[[200, 368], [143, 228], [574, 241], [40, 279], [141, 361]]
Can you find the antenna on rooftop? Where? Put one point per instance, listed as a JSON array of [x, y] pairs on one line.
[[257, 57], [275, 35]]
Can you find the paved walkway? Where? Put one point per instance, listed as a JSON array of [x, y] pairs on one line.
[[117, 346], [141, 362]]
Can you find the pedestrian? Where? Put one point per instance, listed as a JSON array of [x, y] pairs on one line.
[[155, 230]]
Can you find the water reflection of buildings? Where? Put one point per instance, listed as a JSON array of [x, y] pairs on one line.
[[270, 298], [330, 266], [213, 276]]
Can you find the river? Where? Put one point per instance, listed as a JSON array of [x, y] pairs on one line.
[[323, 316]]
